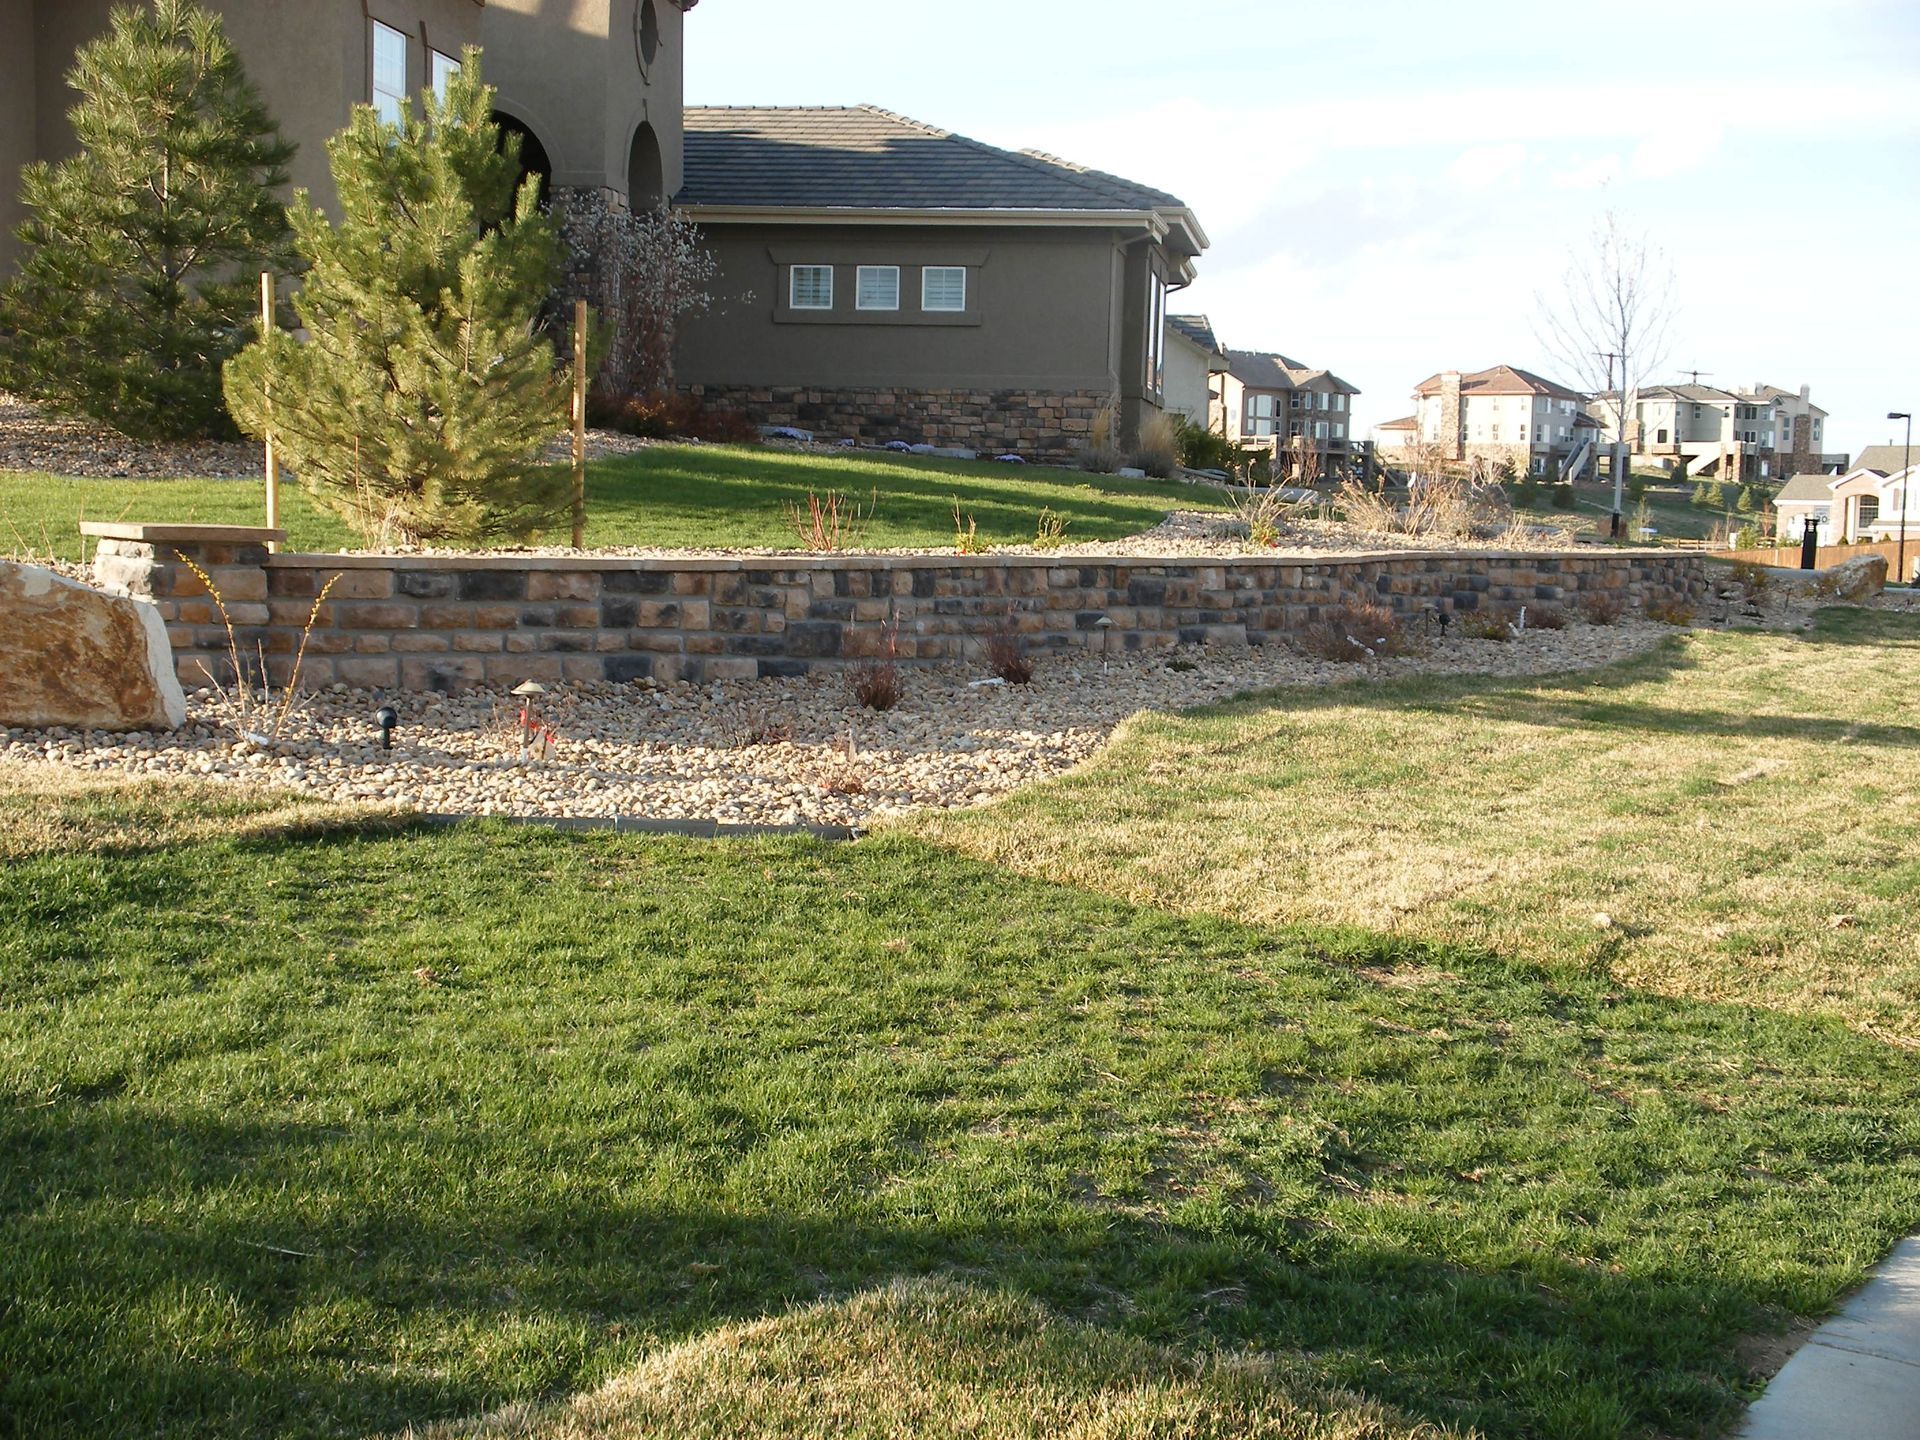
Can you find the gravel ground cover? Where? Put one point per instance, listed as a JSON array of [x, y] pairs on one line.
[[776, 751]]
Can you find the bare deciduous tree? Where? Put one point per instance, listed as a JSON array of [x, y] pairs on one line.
[[1608, 326], [651, 269]]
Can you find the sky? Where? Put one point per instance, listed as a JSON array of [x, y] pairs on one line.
[[1394, 187]]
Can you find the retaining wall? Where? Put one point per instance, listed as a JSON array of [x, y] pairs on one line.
[[430, 623]]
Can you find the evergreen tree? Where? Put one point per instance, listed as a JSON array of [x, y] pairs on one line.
[[1563, 497], [420, 405], [1746, 504], [1716, 496], [1637, 488], [1701, 499], [143, 250]]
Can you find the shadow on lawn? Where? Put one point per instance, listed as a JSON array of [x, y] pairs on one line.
[[564, 1295]]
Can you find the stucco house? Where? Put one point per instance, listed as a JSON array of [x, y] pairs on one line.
[[1276, 403], [885, 279], [880, 278], [1196, 369], [1499, 413], [1737, 435], [596, 92]]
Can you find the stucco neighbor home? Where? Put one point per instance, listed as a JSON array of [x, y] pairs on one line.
[[1499, 413], [1277, 404], [1196, 366], [595, 92], [883, 279]]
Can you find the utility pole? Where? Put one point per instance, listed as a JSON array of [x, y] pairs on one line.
[[1620, 435]]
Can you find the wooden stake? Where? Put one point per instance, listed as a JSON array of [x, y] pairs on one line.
[[579, 424], [273, 458]]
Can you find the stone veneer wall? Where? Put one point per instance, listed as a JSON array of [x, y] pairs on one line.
[[1035, 424], [426, 623]]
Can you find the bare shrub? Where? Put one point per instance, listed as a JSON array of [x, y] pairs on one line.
[[966, 532], [1355, 632], [763, 729], [1753, 580], [877, 684], [1264, 511], [1486, 625], [651, 270], [1101, 452], [253, 706], [1444, 505], [672, 416], [1602, 607], [1546, 617], [830, 522], [1007, 656], [1670, 612], [1158, 449], [1051, 531]]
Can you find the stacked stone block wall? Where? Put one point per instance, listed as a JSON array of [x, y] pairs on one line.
[[428, 623], [1034, 424]]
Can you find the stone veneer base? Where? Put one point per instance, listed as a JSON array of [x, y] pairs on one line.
[[1034, 424], [436, 623]]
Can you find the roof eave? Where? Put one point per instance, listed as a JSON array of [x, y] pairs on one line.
[[1148, 220]]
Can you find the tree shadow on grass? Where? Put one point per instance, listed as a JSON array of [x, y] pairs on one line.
[[214, 1240], [329, 1322]]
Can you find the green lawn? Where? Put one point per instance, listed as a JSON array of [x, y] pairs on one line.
[[318, 1124], [669, 495]]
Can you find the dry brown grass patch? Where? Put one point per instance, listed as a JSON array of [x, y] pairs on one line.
[[936, 1360]]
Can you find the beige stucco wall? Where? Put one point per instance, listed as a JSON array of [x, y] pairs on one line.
[[310, 61], [18, 85], [1040, 312], [571, 71], [1187, 377]]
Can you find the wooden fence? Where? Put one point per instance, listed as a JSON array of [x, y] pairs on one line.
[[1828, 555]]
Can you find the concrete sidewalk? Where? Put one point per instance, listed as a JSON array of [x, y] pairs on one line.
[[1858, 1376]]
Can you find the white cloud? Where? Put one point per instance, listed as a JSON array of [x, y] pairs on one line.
[[1484, 166]]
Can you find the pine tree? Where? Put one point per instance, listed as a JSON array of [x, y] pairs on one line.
[[1746, 504], [1700, 496], [143, 250], [420, 405], [1716, 496]]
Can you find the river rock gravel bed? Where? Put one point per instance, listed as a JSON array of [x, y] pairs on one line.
[[764, 752]]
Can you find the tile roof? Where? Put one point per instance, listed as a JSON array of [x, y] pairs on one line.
[[1199, 330], [1806, 489], [861, 157], [1886, 459], [1405, 422], [1266, 370], [1502, 380]]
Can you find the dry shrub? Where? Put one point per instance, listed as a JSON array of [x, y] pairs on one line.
[[763, 729], [1546, 617], [830, 522], [1355, 632], [1486, 625], [1752, 579], [1007, 657], [1158, 449], [1670, 612], [1051, 531], [1602, 607], [1444, 507], [1264, 512], [966, 532], [1101, 452], [670, 415], [877, 686], [845, 778]]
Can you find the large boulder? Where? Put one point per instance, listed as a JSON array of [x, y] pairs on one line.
[[72, 655], [1860, 578]]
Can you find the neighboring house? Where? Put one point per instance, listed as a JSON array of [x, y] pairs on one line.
[[1196, 367], [1504, 413], [1869, 506], [883, 279], [1274, 403], [595, 92], [1803, 500], [1734, 435]]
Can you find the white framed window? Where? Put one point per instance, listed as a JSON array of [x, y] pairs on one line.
[[389, 73], [811, 287], [943, 289], [1319, 429], [877, 287], [443, 68]]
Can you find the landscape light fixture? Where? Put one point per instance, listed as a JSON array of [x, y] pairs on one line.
[[1906, 484], [1105, 626], [532, 725], [386, 717]]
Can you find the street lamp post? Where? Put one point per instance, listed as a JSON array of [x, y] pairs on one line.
[[1906, 484]]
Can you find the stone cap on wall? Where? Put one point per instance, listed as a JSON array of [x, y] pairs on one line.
[[799, 560], [181, 534]]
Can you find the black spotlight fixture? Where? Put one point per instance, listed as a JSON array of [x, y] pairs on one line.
[[386, 717]]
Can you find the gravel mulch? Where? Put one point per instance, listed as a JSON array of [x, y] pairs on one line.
[[31, 439], [781, 751]]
